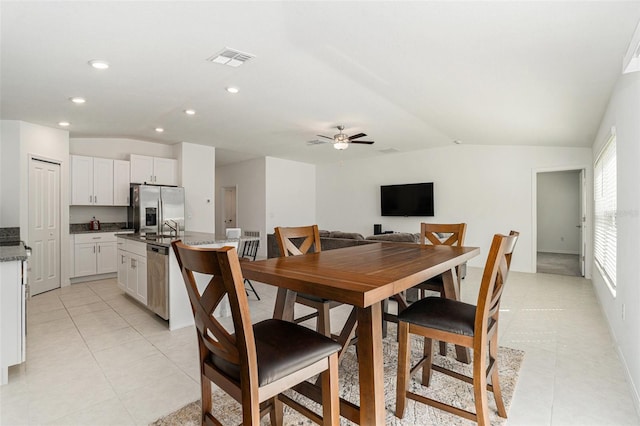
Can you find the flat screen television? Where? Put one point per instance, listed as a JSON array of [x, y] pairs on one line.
[[413, 199]]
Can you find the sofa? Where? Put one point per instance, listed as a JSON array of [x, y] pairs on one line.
[[330, 240]]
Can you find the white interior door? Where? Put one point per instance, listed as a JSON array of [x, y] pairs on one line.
[[44, 225], [229, 202]]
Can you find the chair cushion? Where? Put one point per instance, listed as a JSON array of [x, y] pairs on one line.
[[441, 314], [435, 284], [282, 348], [312, 297]]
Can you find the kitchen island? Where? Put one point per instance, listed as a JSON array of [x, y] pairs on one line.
[[155, 280], [13, 259]]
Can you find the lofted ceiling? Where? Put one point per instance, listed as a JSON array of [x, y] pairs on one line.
[[411, 75]]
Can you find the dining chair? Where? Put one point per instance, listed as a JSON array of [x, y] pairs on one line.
[[440, 234], [471, 326], [254, 364], [249, 253], [294, 241], [435, 234]]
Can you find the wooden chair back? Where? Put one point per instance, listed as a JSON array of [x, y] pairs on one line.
[[294, 241], [454, 234], [222, 267], [494, 278]]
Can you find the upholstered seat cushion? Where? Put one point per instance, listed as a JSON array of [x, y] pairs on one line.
[[314, 298], [441, 314], [282, 348]]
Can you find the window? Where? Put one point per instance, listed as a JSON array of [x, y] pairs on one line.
[[605, 200]]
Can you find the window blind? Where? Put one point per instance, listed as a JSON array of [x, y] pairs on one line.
[[605, 200]]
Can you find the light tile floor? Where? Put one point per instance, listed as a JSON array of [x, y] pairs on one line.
[[96, 357]]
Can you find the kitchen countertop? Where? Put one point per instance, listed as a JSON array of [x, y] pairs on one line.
[[188, 237], [11, 253]]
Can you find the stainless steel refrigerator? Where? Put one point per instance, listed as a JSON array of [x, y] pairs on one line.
[[156, 209]]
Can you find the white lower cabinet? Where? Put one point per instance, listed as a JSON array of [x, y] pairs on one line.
[[12, 318], [94, 254], [132, 269]]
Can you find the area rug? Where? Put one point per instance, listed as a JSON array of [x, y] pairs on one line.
[[443, 388]]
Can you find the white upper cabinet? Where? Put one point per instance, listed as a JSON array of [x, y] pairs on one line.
[[120, 183], [102, 182], [91, 181], [165, 171], [154, 170]]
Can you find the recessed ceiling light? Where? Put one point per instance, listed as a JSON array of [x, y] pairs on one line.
[[77, 100], [232, 89], [457, 142], [64, 124], [99, 64], [159, 129], [190, 111]]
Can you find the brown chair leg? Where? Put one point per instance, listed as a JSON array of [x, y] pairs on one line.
[[276, 412], [480, 389], [330, 395], [402, 383], [495, 379], [205, 390], [426, 367], [324, 323]]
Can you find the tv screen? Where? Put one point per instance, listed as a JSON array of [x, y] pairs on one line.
[[414, 199]]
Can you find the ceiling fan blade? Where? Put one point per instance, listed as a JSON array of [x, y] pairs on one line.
[[323, 136], [316, 142], [359, 135], [364, 142]]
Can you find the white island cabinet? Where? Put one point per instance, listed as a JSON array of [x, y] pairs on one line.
[[134, 281], [12, 316]]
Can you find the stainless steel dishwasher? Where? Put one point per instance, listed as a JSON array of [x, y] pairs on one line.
[[158, 279]]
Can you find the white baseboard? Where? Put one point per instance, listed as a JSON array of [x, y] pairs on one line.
[[557, 251]]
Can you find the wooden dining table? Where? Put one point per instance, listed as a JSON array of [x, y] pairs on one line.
[[362, 276]]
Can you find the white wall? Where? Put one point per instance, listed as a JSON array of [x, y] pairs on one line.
[[488, 187], [198, 163], [290, 193], [623, 112], [119, 148], [559, 212], [24, 141], [9, 171], [249, 179]]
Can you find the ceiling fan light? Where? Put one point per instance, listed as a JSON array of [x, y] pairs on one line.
[[341, 145]]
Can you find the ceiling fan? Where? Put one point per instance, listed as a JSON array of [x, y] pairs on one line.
[[341, 141]]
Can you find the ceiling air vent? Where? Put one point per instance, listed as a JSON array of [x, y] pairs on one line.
[[388, 151], [230, 57]]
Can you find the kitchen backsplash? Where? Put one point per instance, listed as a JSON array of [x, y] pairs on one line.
[[106, 214], [10, 234], [76, 228]]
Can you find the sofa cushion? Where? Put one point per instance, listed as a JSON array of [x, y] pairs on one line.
[[399, 237], [324, 233], [348, 235]]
